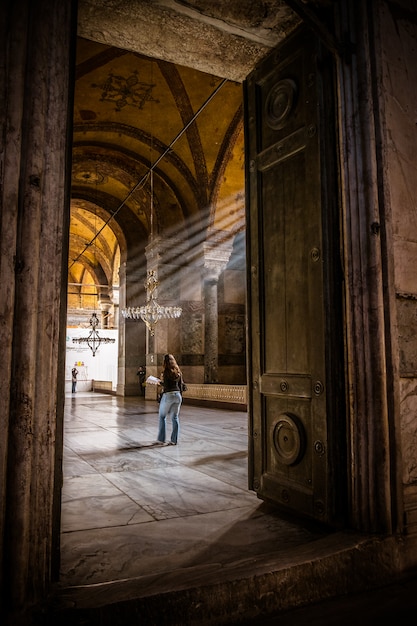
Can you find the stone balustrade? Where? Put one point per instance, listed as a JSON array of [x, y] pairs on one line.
[[224, 394], [105, 386], [234, 394]]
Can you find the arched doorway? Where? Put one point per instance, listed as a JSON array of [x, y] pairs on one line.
[[122, 126], [31, 460], [165, 173]]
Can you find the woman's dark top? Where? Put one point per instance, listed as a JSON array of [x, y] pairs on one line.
[[171, 384]]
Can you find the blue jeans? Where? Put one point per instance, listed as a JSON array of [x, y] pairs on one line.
[[169, 407]]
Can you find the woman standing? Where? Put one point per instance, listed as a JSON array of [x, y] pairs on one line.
[[172, 384]]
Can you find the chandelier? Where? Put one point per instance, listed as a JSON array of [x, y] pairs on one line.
[[93, 340], [151, 312]]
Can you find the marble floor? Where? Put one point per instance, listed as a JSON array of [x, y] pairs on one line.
[[132, 508], [143, 522]]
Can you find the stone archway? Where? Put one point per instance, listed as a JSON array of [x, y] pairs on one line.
[[34, 249]]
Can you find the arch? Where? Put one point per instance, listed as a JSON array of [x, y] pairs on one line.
[[227, 206]]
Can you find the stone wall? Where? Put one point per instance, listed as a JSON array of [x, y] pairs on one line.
[[398, 112]]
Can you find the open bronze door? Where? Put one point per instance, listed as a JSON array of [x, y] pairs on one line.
[[295, 372]]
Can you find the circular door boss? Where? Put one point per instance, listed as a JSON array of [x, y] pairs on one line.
[[280, 102], [289, 439]]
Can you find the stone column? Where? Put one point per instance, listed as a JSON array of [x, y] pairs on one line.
[[163, 255], [37, 45], [132, 333], [369, 357], [105, 305], [216, 256], [114, 296]]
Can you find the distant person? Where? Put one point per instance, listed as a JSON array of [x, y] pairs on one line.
[[74, 379], [171, 400], [142, 376]]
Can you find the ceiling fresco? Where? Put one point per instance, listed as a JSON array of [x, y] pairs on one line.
[[158, 150]]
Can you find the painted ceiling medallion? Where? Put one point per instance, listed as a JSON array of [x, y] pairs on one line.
[[88, 176], [126, 91]]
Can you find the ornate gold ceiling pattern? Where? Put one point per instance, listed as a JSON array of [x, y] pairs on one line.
[[129, 111]]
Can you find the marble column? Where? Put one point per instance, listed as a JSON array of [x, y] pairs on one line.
[[132, 333], [37, 45], [369, 356], [216, 256], [105, 305], [114, 297], [163, 255]]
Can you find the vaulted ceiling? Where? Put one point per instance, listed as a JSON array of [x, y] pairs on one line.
[[158, 145], [136, 171]]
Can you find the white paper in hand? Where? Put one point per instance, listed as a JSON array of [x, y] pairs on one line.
[[153, 380]]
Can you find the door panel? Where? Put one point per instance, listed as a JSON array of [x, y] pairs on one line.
[[296, 362]]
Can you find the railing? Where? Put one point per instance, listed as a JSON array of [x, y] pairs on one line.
[[234, 394], [102, 385]]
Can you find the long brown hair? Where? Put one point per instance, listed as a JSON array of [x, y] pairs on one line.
[[171, 368]]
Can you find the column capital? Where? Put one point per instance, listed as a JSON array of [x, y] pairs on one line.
[[216, 255], [114, 294], [105, 302]]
